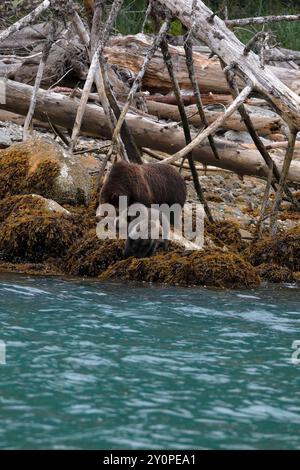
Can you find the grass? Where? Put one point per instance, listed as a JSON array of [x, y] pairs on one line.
[[287, 34], [131, 17]]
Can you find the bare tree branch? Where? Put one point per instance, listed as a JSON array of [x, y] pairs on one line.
[[188, 47], [261, 20], [252, 131], [37, 83], [26, 20], [93, 67], [138, 79], [185, 124], [283, 179], [213, 127]]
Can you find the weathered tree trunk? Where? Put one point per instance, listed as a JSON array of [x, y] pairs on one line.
[[264, 120], [213, 31], [128, 52], [61, 110], [188, 99]]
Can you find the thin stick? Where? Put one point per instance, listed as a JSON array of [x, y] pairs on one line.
[[19, 57], [148, 11], [264, 205], [188, 47], [93, 67], [26, 20], [284, 174], [168, 61], [160, 157], [37, 84], [100, 77], [103, 166], [286, 58], [82, 104], [138, 79], [126, 144], [233, 86], [80, 28], [257, 37], [91, 150], [132, 149], [202, 135], [96, 24], [58, 132], [280, 145], [107, 98], [261, 20], [84, 36]]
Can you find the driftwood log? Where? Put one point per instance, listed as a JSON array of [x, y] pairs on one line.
[[273, 83], [128, 52], [264, 120], [61, 110]]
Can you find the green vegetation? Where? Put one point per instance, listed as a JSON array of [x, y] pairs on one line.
[[132, 15], [287, 33]]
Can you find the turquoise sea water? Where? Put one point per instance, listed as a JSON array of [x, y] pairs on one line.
[[116, 366]]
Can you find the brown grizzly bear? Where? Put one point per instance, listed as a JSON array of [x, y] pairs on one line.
[[147, 233], [149, 183]]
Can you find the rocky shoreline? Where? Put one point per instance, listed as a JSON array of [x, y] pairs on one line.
[[48, 220]]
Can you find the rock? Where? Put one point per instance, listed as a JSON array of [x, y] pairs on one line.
[[43, 167], [9, 133], [52, 206], [245, 234], [228, 197], [29, 203], [242, 137], [282, 250], [214, 268], [275, 273]]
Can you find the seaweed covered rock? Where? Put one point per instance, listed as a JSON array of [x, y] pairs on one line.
[[32, 269], [43, 167], [274, 273], [36, 235], [29, 202], [283, 250], [167, 269], [226, 233], [90, 256], [215, 269], [224, 270]]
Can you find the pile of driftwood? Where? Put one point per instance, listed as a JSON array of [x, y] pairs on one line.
[[219, 104]]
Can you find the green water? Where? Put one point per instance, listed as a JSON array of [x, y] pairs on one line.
[[106, 366]]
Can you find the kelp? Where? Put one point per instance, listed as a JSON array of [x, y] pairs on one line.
[[14, 169], [35, 236], [41, 180], [16, 177], [274, 273], [27, 202], [36, 240], [283, 250], [90, 256], [226, 233], [194, 268], [49, 268]]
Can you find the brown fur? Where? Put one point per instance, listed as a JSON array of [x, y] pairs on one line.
[[139, 247], [149, 183]]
